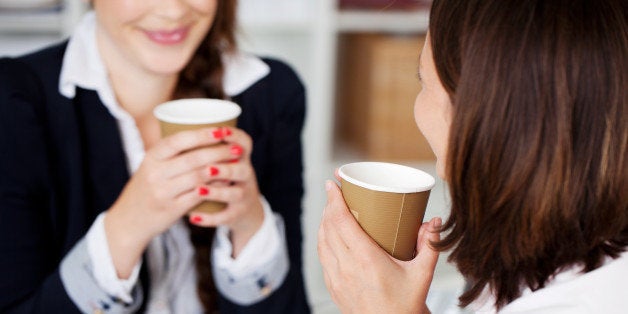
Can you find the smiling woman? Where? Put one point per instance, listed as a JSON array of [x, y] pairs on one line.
[[155, 36], [95, 205]]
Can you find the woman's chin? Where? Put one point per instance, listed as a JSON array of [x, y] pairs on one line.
[[167, 68], [165, 64]]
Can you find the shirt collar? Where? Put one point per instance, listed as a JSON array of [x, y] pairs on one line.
[[83, 67]]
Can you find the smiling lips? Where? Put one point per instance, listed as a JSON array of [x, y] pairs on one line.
[[171, 37]]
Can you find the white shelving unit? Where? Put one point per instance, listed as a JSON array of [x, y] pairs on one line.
[[397, 22], [303, 34], [23, 30], [56, 19], [46, 22]]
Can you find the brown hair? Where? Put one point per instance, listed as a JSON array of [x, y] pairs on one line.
[[202, 77], [537, 154]]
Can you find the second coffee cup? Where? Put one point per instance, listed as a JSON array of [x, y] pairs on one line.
[[192, 114], [388, 201]]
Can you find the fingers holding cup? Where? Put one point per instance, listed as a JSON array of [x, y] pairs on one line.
[[388, 201], [184, 115]]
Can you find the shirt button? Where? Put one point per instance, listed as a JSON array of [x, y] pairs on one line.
[[265, 291], [160, 304]]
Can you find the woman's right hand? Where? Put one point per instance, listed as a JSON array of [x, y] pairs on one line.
[[360, 276], [160, 192]]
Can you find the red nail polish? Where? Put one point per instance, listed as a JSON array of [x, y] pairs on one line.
[[213, 171], [203, 191], [236, 150], [228, 131], [196, 219], [218, 134]]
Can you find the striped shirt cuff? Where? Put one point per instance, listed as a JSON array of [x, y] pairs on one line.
[[260, 268]]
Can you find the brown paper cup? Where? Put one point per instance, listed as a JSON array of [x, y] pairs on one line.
[[192, 114], [388, 201]]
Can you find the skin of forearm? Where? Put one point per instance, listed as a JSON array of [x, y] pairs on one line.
[[125, 245]]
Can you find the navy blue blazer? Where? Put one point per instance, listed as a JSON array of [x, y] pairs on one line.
[[62, 163]]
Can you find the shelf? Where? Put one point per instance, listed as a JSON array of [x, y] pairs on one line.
[[57, 19], [43, 22], [261, 26], [386, 22], [275, 16]]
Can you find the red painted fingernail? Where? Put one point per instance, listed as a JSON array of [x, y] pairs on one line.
[[217, 134], [203, 191], [227, 131], [213, 171], [196, 219], [236, 150]]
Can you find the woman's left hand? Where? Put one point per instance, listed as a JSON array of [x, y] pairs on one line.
[[244, 213], [360, 275]]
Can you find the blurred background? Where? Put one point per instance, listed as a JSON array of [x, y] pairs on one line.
[[358, 60]]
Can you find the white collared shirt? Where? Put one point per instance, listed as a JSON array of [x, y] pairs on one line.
[[83, 67], [603, 290]]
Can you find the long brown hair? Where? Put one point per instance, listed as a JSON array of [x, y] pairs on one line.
[[537, 153], [202, 77]]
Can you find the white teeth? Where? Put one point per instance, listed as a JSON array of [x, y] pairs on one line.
[[169, 37]]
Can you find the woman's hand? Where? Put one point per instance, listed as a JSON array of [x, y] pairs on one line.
[[361, 276], [160, 192], [244, 212]]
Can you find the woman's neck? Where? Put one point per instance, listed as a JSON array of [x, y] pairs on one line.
[[136, 89], [138, 93]]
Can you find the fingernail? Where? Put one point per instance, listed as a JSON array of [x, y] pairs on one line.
[[218, 134], [227, 131], [236, 150], [327, 185], [213, 171], [196, 219], [438, 222], [203, 191]]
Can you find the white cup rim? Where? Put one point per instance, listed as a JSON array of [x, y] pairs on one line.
[[196, 111], [400, 178]]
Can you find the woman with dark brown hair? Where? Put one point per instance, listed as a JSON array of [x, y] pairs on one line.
[[94, 205], [525, 104]]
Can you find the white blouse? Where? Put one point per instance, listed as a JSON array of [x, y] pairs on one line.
[[603, 290]]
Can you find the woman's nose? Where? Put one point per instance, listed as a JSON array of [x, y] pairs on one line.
[[171, 9]]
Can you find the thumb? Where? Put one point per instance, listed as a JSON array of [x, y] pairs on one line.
[[427, 256], [424, 263], [333, 192]]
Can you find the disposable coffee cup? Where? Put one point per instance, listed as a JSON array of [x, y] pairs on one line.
[[388, 201], [197, 113]]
